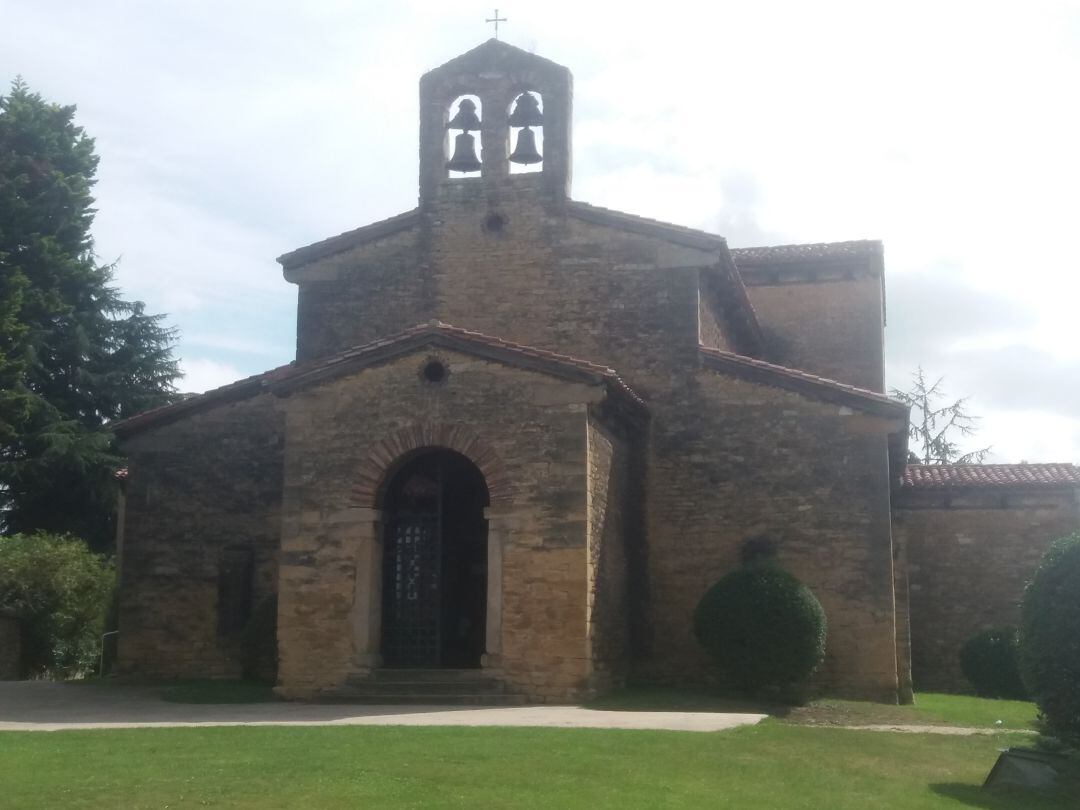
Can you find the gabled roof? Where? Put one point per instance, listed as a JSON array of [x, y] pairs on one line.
[[440, 334], [489, 55], [348, 240], [288, 378], [819, 251], [744, 318], [820, 388], [991, 476], [677, 234]]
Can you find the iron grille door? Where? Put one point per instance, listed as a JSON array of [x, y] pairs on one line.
[[411, 591]]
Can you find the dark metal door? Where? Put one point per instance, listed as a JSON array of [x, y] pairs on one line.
[[412, 591]]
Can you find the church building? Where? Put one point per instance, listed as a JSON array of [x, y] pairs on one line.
[[523, 434]]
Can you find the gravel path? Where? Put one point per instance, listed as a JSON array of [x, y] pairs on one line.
[[959, 731], [45, 706]]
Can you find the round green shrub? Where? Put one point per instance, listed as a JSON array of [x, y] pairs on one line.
[[60, 591], [990, 662], [1050, 638], [764, 630]]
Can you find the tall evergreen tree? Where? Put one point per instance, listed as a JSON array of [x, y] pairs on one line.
[[936, 427], [74, 355]]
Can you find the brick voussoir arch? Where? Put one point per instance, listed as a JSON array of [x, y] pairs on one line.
[[384, 455]]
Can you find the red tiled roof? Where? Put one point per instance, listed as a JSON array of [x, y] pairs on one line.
[[802, 382], [453, 337], [241, 389], [1019, 476], [293, 376], [818, 251]]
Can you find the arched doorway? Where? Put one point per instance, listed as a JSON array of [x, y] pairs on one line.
[[434, 562]]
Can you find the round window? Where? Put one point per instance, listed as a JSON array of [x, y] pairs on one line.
[[434, 371]]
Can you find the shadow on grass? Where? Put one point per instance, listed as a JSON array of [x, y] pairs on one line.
[[1005, 798], [683, 699]]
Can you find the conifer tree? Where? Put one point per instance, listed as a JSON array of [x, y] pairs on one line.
[[74, 355], [935, 426]]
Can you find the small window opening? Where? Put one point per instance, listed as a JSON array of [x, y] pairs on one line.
[[236, 576], [527, 134], [463, 126], [758, 549], [434, 371]]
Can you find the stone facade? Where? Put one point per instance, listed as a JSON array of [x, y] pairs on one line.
[[639, 401], [970, 549], [198, 486], [546, 517]]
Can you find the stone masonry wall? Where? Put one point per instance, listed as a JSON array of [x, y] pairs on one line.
[[609, 617], [196, 487], [634, 302], [969, 555], [533, 428], [742, 460], [824, 324], [361, 295], [711, 329], [542, 279]]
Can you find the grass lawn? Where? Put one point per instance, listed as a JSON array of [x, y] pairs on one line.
[[768, 766], [929, 709]]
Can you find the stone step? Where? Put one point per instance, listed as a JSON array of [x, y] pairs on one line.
[[415, 699], [367, 687], [440, 675]]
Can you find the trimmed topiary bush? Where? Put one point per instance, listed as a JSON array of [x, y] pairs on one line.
[[764, 630], [990, 661], [1050, 639]]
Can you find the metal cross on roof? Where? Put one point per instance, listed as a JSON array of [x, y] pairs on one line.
[[496, 19]]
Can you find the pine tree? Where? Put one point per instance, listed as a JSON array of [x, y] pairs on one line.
[[74, 355], [934, 427]]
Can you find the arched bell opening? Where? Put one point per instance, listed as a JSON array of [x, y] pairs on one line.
[[527, 133], [435, 562], [463, 137]]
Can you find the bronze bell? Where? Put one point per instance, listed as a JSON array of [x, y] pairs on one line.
[[525, 151], [466, 118], [464, 158], [526, 112]]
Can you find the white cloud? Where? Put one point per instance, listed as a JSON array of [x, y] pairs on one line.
[[230, 133], [202, 374]]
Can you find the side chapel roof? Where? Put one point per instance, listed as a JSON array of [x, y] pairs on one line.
[[811, 385], [290, 377], [991, 476]]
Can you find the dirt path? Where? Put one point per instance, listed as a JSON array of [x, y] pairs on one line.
[[959, 731], [44, 706]]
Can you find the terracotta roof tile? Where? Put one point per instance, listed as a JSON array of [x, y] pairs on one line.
[[818, 251], [454, 337], [292, 376], [981, 476]]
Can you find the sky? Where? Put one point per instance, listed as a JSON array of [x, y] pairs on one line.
[[232, 132]]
